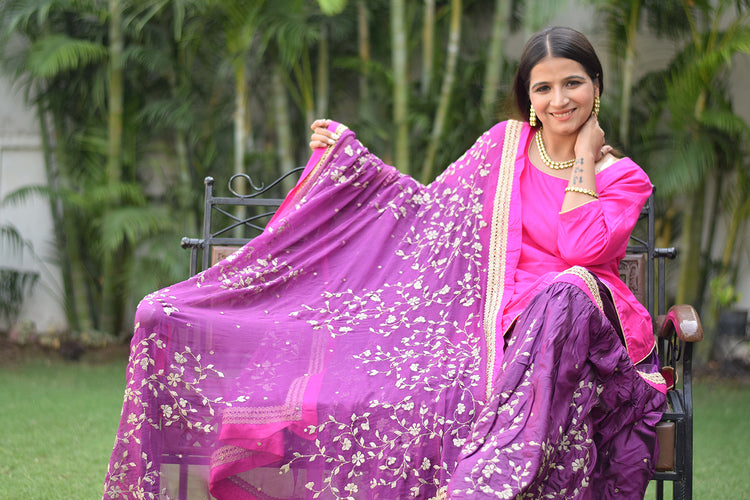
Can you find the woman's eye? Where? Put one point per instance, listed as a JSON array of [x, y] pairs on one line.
[[573, 83]]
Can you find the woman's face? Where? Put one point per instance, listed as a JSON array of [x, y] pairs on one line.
[[562, 94]]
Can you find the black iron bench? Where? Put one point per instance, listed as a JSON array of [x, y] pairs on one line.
[[643, 270]]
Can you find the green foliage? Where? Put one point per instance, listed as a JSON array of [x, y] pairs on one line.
[[186, 60], [56, 54], [15, 286], [332, 7]]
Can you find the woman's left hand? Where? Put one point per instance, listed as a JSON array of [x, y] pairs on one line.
[[321, 136]]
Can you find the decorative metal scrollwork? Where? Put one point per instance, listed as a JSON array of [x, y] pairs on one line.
[[257, 190]]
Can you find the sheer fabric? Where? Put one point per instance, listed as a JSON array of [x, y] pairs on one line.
[[355, 350]]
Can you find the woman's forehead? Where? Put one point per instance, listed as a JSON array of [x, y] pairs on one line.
[[556, 68]]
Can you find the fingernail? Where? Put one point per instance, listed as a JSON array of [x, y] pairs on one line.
[[331, 141], [335, 137]]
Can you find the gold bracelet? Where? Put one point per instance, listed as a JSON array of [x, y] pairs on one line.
[[576, 189]]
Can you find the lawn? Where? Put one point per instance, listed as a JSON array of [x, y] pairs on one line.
[[58, 421], [57, 428]]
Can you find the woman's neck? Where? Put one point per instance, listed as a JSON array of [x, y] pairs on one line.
[[559, 147]]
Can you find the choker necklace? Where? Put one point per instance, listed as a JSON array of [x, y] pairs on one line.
[[555, 165]]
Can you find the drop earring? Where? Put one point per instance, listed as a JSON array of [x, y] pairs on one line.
[[532, 116], [596, 106]]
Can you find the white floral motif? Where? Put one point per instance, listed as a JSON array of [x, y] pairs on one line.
[[180, 410]]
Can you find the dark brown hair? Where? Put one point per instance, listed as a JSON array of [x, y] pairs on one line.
[[554, 42]]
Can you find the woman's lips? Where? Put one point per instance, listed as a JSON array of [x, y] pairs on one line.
[[563, 115]]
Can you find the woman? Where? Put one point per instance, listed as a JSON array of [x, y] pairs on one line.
[[385, 339]]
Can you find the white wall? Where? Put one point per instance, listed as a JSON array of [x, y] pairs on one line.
[[22, 164]]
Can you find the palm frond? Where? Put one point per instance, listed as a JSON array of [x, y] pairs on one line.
[[131, 225], [726, 121], [55, 54], [25, 194], [11, 239], [683, 169]]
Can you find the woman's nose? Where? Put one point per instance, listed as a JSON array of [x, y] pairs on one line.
[[559, 97]]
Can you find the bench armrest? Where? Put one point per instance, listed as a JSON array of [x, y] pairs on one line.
[[682, 320]]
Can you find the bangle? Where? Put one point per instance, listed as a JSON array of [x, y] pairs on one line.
[[576, 189]]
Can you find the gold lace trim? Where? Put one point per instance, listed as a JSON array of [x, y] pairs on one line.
[[587, 278], [656, 378], [499, 241]]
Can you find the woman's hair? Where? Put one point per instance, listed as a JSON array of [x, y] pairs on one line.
[[554, 42]]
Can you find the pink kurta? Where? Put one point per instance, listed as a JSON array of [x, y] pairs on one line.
[[594, 235]]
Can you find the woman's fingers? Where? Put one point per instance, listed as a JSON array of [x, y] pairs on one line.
[[590, 139], [320, 123], [321, 136]]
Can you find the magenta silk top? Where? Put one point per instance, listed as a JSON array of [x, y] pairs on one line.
[[594, 235]]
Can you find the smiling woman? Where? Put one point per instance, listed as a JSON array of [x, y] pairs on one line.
[[470, 338]]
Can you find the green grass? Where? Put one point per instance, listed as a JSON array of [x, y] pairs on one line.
[[722, 441], [58, 421], [57, 426]]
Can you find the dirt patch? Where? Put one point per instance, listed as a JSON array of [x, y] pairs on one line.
[[14, 354]]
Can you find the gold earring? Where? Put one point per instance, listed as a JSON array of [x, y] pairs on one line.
[[596, 106], [532, 116]]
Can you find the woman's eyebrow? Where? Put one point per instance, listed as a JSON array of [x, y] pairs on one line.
[[567, 78]]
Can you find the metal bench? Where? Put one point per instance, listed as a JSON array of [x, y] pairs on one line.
[[643, 270]]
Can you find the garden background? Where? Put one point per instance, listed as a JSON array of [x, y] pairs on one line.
[[113, 111]]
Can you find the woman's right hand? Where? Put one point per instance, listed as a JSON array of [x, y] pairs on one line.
[[321, 136], [590, 140]]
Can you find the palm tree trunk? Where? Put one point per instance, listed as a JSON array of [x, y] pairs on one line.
[[58, 221], [494, 68], [363, 35], [713, 217], [283, 126], [692, 238], [322, 87], [400, 84], [428, 45], [628, 69], [110, 274], [240, 133], [454, 42], [690, 255], [240, 109], [738, 218]]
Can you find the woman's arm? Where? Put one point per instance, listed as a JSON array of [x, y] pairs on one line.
[[598, 231], [589, 149]]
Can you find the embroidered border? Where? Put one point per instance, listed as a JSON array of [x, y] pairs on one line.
[[292, 407], [656, 378], [229, 453], [587, 278], [499, 242]]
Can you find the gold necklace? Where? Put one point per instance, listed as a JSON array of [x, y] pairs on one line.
[[555, 165]]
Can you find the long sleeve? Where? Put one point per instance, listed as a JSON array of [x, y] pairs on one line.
[[597, 232]]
